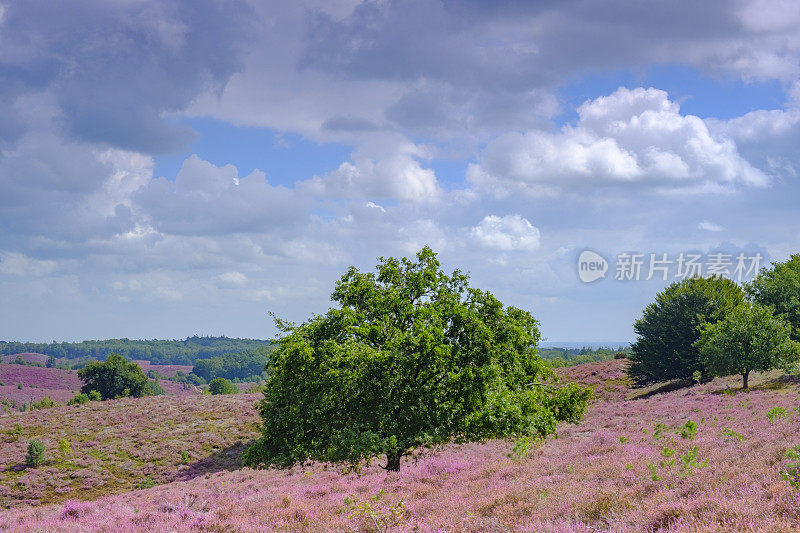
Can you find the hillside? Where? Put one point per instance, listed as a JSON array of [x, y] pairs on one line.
[[625, 468]]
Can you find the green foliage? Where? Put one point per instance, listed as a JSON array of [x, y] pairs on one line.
[[523, 447], [412, 357], [79, 399], [94, 396], [20, 386], [146, 483], [689, 430], [728, 432], [191, 378], [114, 378], [44, 403], [669, 328], [222, 386], [36, 453], [154, 388], [777, 413], [658, 430], [245, 366], [779, 289], [64, 448], [563, 357], [791, 471], [162, 352], [376, 514], [749, 339]]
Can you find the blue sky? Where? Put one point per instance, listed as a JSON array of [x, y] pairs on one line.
[[167, 170]]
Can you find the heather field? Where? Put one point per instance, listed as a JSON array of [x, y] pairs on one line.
[[632, 465], [37, 382], [118, 445]]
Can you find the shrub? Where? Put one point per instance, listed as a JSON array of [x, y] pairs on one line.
[[79, 399], [114, 378], [64, 448], [94, 396], [222, 386], [36, 453], [19, 386], [44, 403], [777, 413]]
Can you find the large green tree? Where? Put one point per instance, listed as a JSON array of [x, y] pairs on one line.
[[669, 328], [779, 288], [412, 357], [114, 377], [749, 339]]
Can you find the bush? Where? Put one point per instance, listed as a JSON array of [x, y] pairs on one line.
[[222, 386], [665, 347], [79, 399], [94, 396], [114, 378], [412, 357], [36, 453], [64, 448], [44, 403], [154, 388]]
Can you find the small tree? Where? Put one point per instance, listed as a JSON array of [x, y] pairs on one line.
[[222, 386], [36, 453], [413, 357], [669, 328], [779, 288], [749, 339], [113, 378]]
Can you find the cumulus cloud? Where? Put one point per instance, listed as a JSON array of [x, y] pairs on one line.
[[205, 199], [507, 233], [632, 137], [397, 176]]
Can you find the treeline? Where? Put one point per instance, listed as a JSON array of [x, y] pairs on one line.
[[559, 357], [242, 366], [158, 352]]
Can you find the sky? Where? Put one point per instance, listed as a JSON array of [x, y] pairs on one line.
[[189, 167]]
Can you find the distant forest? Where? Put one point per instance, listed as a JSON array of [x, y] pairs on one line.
[[559, 357], [158, 352]]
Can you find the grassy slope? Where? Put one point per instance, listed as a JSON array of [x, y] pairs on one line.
[[625, 468], [118, 444]]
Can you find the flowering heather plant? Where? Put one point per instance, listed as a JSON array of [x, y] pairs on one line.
[[736, 473]]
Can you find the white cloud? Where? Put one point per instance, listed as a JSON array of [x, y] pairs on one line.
[[206, 199], [507, 233], [632, 137], [710, 226], [398, 177], [17, 264], [233, 279]]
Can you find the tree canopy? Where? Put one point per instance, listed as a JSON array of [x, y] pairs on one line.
[[412, 357], [669, 328], [749, 339], [779, 288], [222, 386], [247, 365], [115, 377]]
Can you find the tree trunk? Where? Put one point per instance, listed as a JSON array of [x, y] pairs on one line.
[[744, 379], [393, 461]]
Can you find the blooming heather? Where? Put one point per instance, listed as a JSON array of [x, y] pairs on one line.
[[611, 473]]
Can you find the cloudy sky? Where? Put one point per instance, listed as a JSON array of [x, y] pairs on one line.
[[187, 167]]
